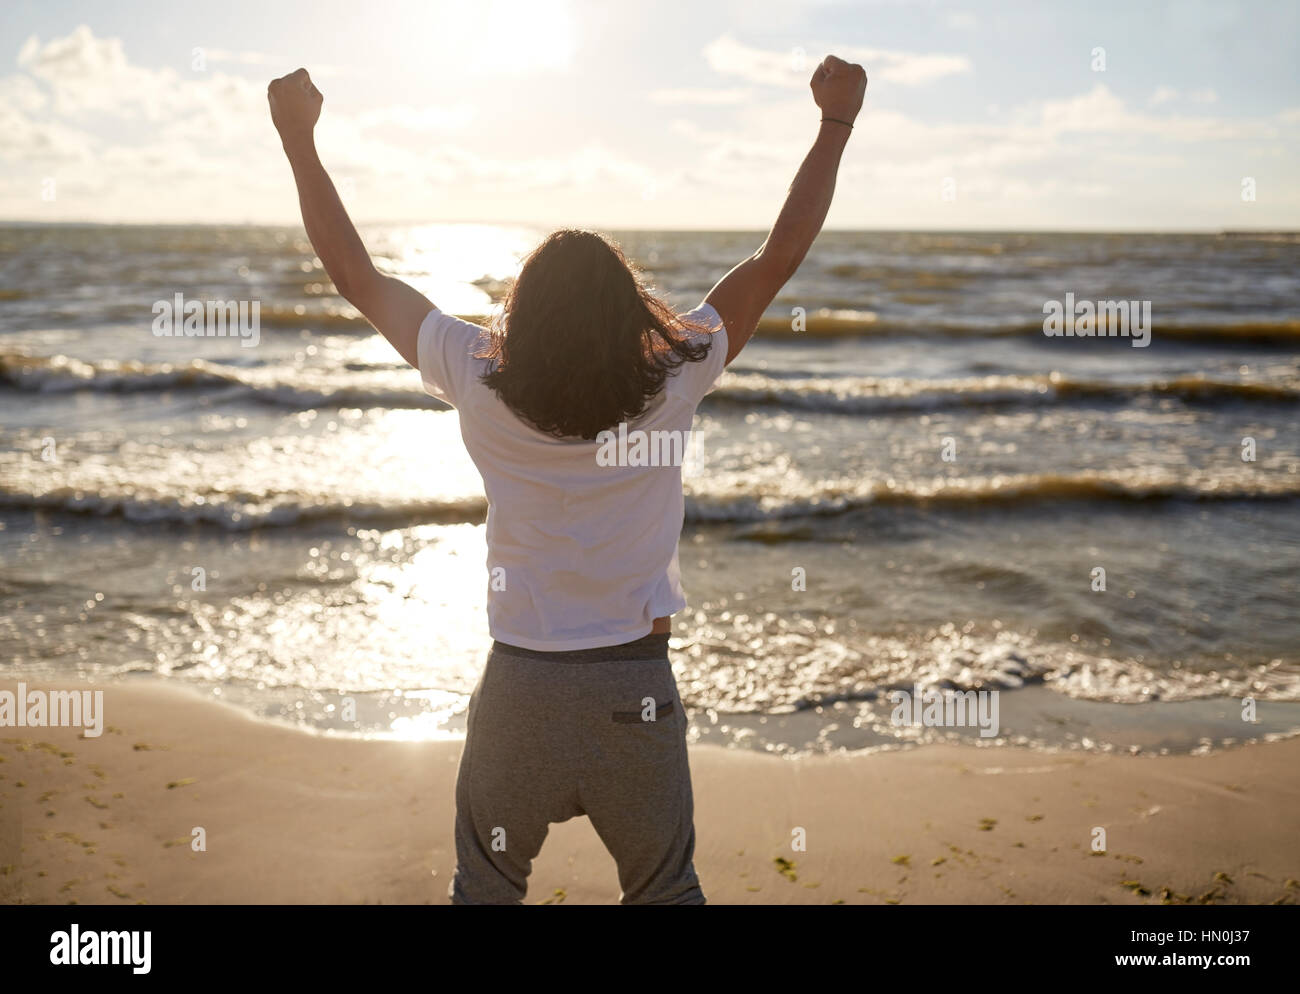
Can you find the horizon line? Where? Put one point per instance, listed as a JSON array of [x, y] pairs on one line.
[[21, 222]]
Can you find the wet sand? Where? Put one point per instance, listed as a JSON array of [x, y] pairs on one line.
[[294, 817]]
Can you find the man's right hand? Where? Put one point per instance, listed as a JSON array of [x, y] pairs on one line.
[[295, 105], [839, 88]]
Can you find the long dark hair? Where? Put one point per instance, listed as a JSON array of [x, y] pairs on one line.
[[581, 344]]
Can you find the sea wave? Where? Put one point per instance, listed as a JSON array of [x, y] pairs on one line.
[[848, 323], [1122, 485], [293, 389], [777, 512], [298, 316], [863, 667], [239, 514], [870, 395], [338, 319], [382, 386]]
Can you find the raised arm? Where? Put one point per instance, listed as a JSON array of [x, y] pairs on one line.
[[742, 296], [394, 308]]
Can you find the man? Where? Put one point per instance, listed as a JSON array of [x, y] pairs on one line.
[[577, 711]]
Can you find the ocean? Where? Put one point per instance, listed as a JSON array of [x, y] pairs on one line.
[[902, 483]]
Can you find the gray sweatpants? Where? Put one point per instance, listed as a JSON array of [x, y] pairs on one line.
[[555, 735]]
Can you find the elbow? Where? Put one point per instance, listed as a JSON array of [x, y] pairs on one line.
[[349, 286], [345, 286]]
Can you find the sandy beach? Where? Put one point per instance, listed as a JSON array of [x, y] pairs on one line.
[[296, 817]]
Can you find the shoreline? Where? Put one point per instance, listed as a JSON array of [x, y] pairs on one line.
[[317, 818], [1034, 717]]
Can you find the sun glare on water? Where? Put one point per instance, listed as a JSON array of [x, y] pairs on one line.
[[462, 268]]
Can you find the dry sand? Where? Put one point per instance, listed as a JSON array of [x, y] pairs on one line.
[[294, 817]]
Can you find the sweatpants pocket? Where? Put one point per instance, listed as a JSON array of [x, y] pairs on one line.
[[651, 711]]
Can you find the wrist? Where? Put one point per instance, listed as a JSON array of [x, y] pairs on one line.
[[833, 131], [298, 144]]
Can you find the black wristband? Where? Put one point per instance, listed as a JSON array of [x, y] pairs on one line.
[[838, 121]]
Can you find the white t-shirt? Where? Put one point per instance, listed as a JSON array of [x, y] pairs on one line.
[[581, 553]]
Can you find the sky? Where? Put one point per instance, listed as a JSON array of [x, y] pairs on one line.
[[664, 114]]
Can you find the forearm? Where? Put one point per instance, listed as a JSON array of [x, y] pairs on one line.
[[808, 200], [329, 228]]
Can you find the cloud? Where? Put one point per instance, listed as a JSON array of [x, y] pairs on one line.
[[729, 57], [1167, 94], [278, 63], [1099, 111], [765, 67], [125, 141], [700, 97], [89, 74], [131, 142], [1052, 161], [418, 118], [92, 77]]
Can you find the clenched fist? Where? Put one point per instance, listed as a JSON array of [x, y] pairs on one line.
[[839, 87], [295, 105]]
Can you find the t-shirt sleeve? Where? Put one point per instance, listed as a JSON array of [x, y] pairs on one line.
[[445, 348], [693, 380]]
